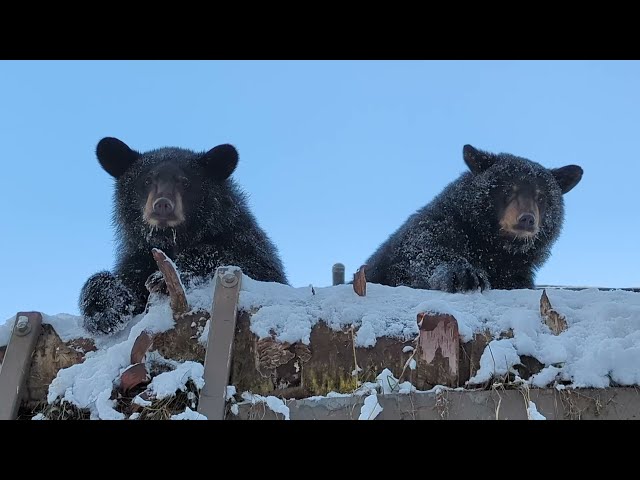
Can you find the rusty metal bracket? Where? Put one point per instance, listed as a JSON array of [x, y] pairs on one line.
[[17, 362], [217, 362]]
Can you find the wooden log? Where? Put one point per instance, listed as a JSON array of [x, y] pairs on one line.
[[331, 362], [268, 367]]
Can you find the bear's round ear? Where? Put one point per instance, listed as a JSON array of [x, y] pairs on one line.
[[477, 160], [567, 177], [220, 161], [115, 156]]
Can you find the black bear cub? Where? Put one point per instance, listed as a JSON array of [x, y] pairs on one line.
[[184, 203], [493, 227]]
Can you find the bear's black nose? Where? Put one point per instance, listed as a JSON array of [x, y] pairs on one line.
[[526, 221], [163, 206]]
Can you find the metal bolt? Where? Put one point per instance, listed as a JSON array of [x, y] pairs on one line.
[[22, 325], [229, 280]]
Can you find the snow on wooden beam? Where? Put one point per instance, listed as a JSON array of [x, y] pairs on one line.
[[331, 361]]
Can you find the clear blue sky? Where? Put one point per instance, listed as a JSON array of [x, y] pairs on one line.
[[334, 155]]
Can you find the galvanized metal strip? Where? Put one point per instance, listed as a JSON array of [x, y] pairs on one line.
[[217, 362], [17, 362]]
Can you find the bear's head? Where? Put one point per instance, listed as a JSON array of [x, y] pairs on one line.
[[164, 188], [522, 198]]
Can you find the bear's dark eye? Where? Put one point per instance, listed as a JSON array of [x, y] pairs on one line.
[[147, 181], [184, 181]]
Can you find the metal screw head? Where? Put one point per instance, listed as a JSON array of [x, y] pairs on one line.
[[22, 325], [229, 280]]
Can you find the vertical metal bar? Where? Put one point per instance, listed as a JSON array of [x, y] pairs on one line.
[[217, 362], [17, 362], [338, 274]]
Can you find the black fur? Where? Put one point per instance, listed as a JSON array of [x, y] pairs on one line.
[[454, 243], [219, 229]]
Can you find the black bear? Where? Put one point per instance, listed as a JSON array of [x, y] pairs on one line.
[[493, 227], [184, 203]]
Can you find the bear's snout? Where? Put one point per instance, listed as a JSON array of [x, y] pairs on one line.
[[163, 207], [527, 221]]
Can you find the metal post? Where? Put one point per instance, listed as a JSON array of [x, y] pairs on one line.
[[217, 362], [17, 362], [338, 274]]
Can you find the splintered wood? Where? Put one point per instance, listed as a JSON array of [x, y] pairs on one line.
[[556, 322], [137, 372], [360, 282], [439, 344], [178, 298], [180, 344], [133, 376]]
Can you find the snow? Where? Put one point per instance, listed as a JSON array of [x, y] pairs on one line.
[[168, 383], [89, 384], [203, 339], [138, 400], [230, 392], [276, 404], [496, 360], [328, 395], [371, 408], [387, 381], [68, 327], [546, 376], [532, 412], [188, 414], [600, 346]]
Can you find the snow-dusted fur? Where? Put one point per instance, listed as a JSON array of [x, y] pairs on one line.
[[219, 229], [455, 244]]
